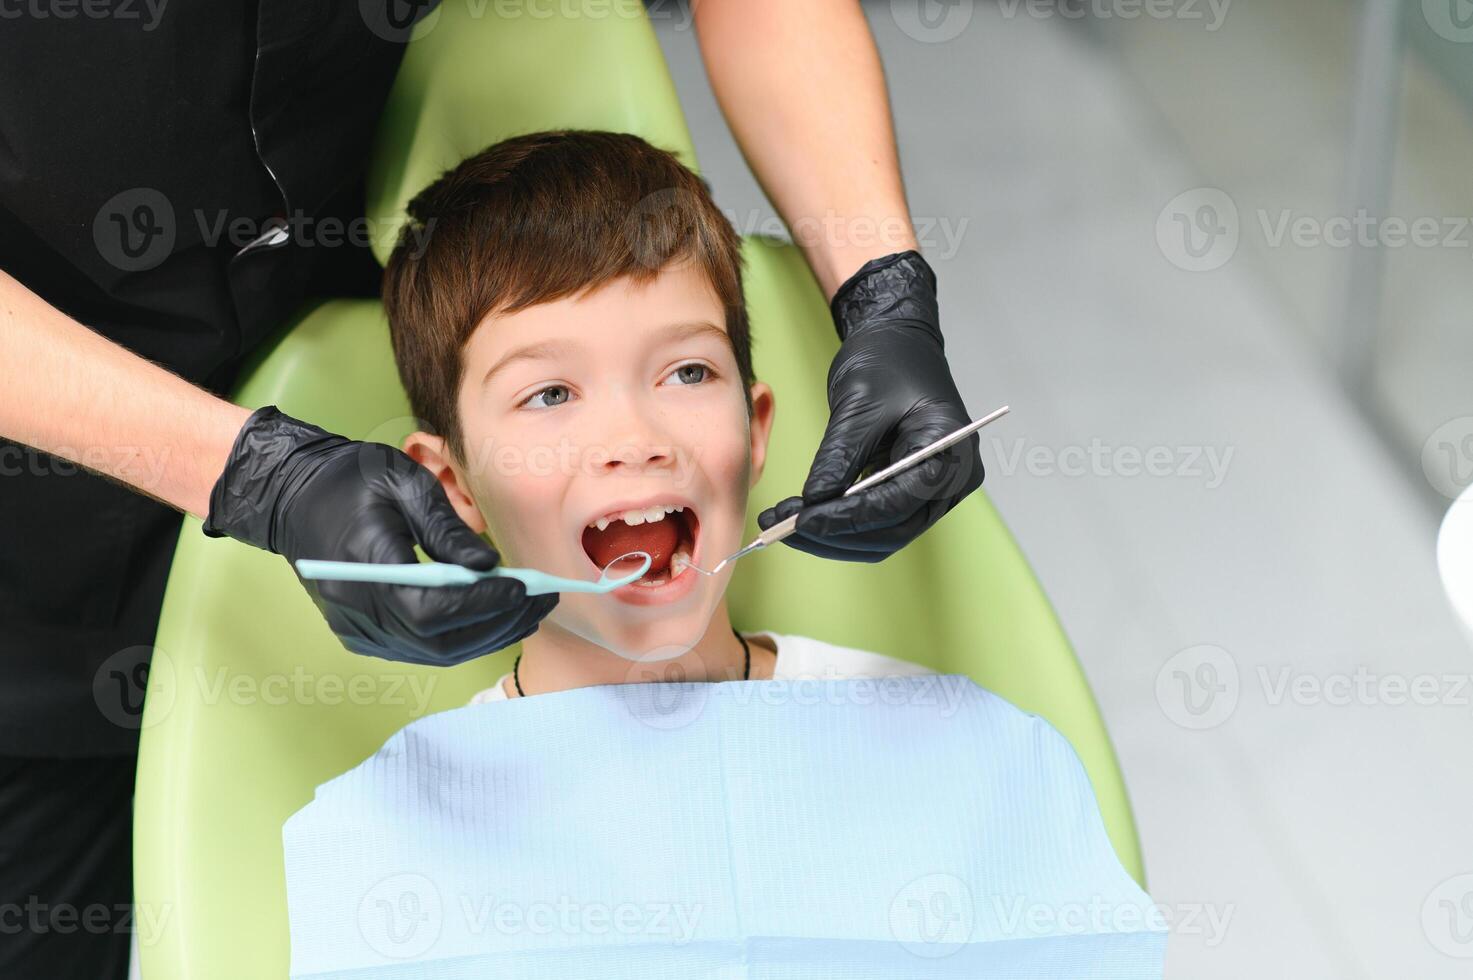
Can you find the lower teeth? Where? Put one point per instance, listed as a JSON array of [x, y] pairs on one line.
[[677, 565]]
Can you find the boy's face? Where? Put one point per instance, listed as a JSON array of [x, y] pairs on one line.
[[625, 398]]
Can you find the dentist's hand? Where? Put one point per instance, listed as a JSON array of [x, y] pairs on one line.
[[890, 392], [296, 490]]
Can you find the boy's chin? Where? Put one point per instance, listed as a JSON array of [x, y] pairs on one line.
[[649, 641]]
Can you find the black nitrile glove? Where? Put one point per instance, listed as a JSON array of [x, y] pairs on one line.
[[890, 393], [296, 490]]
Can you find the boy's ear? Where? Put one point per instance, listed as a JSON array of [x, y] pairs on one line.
[[431, 452], [764, 407]]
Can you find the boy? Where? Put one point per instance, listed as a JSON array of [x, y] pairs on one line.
[[573, 333], [573, 336]]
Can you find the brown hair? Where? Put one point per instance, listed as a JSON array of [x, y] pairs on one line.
[[534, 219]]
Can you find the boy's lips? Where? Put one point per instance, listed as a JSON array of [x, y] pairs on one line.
[[678, 585]]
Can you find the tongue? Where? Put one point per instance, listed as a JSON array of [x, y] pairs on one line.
[[659, 539]]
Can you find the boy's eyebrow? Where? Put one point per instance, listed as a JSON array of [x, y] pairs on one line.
[[550, 349]]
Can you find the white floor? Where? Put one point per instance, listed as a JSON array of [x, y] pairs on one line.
[[1292, 836]]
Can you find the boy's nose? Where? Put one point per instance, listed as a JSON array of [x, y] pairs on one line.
[[640, 455]]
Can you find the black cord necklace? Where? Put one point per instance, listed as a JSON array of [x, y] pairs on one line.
[[746, 664]]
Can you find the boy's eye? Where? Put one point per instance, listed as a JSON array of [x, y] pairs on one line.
[[688, 373], [552, 396], [550, 389]]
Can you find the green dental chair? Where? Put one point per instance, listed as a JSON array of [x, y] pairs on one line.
[[252, 702]]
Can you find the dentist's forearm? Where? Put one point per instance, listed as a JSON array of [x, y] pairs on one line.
[[76, 395], [803, 90]]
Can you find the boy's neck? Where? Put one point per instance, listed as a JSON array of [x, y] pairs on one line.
[[555, 660]]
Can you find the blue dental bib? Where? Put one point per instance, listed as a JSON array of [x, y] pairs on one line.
[[884, 829]]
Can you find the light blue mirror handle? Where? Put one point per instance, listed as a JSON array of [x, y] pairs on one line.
[[435, 574]]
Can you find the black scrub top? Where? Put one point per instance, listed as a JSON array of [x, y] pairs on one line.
[[144, 151]]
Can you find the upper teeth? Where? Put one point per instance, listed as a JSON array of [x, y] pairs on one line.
[[632, 517]]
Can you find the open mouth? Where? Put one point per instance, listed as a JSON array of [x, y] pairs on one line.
[[668, 532]]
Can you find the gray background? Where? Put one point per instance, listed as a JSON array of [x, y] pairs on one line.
[[1326, 835]]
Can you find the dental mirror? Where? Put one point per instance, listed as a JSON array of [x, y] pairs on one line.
[[628, 567]]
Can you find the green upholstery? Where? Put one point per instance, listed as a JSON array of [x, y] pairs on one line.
[[252, 702]]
